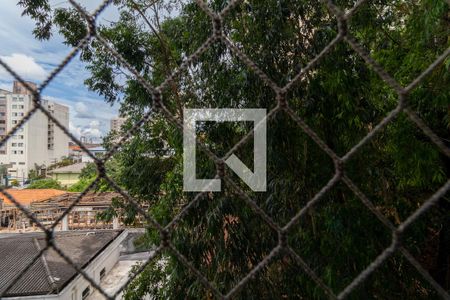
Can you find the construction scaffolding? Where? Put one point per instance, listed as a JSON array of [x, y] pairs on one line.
[[84, 215]]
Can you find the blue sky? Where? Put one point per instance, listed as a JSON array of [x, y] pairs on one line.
[[33, 60]]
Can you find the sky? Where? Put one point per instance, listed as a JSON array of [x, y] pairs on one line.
[[90, 115]]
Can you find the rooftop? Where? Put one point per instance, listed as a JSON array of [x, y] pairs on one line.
[[26, 196], [78, 148], [50, 273]]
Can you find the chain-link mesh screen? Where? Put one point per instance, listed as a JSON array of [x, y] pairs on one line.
[[282, 101]]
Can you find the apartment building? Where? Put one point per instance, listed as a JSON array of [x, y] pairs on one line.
[[38, 142], [116, 123]]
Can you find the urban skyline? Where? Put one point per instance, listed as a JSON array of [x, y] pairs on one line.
[[38, 142], [34, 60]]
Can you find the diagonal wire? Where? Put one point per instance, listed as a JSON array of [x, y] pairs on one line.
[[311, 273], [24, 270], [79, 270], [75, 202], [196, 272], [258, 268], [141, 268], [218, 35]]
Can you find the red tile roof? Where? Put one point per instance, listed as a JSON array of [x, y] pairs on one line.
[[26, 196]]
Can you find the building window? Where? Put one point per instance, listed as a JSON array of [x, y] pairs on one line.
[[21, 106], [21, 163], [2, 122], [20, 144], [14, 152], [14, 121], [85, 293], [20, 152], [102, 273], [21, 136], [2, 114], [14, 144], [14, 106]]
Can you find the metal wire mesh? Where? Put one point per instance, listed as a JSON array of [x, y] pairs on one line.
[[282, 102]]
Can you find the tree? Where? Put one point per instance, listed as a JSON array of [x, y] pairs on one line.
[[65, 161], [341, 99], [15, 183], [46, 183], [88, 176]]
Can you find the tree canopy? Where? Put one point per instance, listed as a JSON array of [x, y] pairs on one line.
[[46, 183], [341, 98]]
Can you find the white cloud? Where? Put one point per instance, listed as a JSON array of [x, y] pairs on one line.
[[91, 131], [5, 86], [94, 123], [76, 131], [80, 107], [89, 114], [25, 66]]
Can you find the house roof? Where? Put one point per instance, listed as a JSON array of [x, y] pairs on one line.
[[78, 148], [97, 149], [26, 196], [74, 147], [75, 168], [50, 273]]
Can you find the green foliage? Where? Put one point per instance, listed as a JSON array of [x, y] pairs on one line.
[[33, 175], [340, 98], [65, 161], [87, 177], [14, 182], [46, 183]]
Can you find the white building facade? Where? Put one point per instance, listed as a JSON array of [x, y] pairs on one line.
[[116, 123], [38, 141]]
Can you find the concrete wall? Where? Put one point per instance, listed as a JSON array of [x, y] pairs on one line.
[[36, 132], [66, 179], [59, 139]]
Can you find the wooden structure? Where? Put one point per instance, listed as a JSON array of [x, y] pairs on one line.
[[83, 215]]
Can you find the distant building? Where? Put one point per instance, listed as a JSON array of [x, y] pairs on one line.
[[116, 123], [52, 277], [19, 88], [77, 153], [67, 175], [96, 151], [39, 141]]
